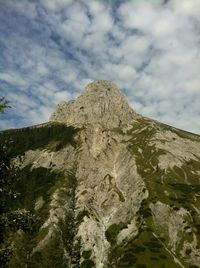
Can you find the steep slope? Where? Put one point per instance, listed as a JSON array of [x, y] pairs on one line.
[[109, 187]]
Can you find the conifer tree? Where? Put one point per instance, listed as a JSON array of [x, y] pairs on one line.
[[3, 104], [10, 220]]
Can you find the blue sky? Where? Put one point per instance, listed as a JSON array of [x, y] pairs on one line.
[[51, 49]]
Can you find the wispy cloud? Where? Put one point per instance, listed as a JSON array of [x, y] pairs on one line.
[[150, 48]]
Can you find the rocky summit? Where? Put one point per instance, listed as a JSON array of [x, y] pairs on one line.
[[100, 103], [107, 188]]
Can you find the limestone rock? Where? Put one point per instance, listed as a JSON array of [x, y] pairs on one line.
[[110, 187], [101, 102]]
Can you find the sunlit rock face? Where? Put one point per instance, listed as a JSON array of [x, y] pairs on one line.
[[111, 188], [101, 102]]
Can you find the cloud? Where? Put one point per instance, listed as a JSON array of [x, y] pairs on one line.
[[52, 49], [13, 78]]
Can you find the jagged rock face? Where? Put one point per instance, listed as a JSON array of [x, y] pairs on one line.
[[119, 191], [101, 103]]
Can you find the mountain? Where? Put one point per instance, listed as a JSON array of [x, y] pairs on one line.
[[107, 187]]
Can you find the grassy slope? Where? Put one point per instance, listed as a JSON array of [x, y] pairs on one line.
[[33, 183], [52, 136], [148, 250], [144, 251]]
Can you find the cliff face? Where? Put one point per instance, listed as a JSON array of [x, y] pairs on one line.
[[110, 187], [100, 103]]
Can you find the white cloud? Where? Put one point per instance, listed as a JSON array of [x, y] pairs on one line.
[[25, 7], [12, 78], [55, 5], [186, 7], [52, 49]]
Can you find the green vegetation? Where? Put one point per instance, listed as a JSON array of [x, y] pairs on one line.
[[81, 215], [144, 210], [50, 136], [36, 183], [146, 250], [87, 264], [86, 254], [143, 251], [159, 181], [112, 232], [4, 104], [29, 184], [185, 188], [15, 220], [50, 256], [147, 160], [21, 223], [181, 133], [21, 188]]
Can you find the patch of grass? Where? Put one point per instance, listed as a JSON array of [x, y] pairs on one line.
[[181, 133], [81, 215], [86, 254], [143, 251], [41, 234], [32, 183], [158, 181], [167, 186], [87, 264], [185, 188], [141, 265], [52, 136], [144, 210], [52, 255], [112, 232]]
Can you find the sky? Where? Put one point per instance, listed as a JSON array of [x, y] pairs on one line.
[[51, 49]]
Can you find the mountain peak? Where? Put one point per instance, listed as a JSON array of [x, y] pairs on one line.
[[101, 86], [103, 194], [101, 102]]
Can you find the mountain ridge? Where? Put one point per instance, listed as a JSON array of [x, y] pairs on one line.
[[108, 193]]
